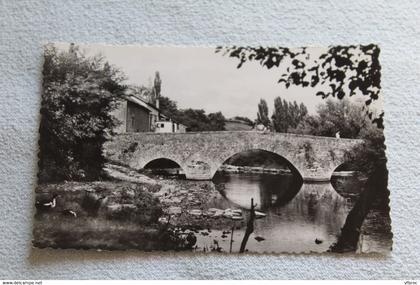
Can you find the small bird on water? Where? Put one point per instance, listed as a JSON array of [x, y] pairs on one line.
[[70, 213], [46, 203], [259, 239], [318, 241]]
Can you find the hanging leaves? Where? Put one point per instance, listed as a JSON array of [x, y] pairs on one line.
[[346, 69]]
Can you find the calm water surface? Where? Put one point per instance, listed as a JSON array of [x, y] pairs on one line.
[[297, 214]]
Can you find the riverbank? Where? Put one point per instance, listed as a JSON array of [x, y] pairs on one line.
[[131, 210], [185, 203], [101, 214], [252, 169]]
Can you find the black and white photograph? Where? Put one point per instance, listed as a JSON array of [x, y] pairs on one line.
[[223, 149]]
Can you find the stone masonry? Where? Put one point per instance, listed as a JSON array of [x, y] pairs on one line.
[[201, 154]]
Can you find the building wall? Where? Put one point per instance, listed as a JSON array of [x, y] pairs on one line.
[[138, 119], [182, 128], [134, 118], [165, 127], [169, 127]]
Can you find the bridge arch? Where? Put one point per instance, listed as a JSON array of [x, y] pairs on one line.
[[149, 161], [280, 158], [339, 165], [164, 166]]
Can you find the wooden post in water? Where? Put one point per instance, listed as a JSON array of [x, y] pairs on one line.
[[231, 238], [249, 226]]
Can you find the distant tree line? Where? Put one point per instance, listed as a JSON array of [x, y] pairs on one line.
[[196, 120], [246, 120], [337, 116], [347, 118]]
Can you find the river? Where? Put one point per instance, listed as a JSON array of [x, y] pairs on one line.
[[300, 217]]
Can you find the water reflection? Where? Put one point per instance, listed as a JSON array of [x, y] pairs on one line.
[[298, 214], [267, 190]]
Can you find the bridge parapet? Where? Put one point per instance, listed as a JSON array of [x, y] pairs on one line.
[[201, 154]]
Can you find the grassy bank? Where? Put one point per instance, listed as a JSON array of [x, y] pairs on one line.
[[151, 213], [106, 215]]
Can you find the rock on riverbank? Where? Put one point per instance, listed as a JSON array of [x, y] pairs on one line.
[[185, 202]]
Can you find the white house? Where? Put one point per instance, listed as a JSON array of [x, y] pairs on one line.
[[169, 127]]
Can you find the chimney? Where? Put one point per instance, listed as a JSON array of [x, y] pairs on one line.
[[157, 103]]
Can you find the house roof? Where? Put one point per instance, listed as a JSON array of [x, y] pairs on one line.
[[138, 101]]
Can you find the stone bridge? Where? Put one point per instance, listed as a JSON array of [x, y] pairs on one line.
[[201, 154]]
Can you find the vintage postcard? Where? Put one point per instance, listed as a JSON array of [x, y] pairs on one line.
[[212, 149]]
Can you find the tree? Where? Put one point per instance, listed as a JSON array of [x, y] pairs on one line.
[[262, 115], [303, 111], [217, 121], [278, 118], [198, 121], [368, 158], [78, 95], [194, 119], [245, 120], [287, 115], [339, 71], [335, 116], [142, 92], [157, 83], [168, 107]]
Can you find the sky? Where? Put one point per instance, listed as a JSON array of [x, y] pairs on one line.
[[199, 78]]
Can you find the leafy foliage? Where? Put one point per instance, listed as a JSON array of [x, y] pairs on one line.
[[244, 119], [262, 115], [217, 121], [78, 94], [157, 83], [168, 107], [196, 120], [334, 116], [287, 115], [369, 156], [341, 69], [370, 159]]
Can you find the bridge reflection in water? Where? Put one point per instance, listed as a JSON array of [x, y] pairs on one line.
[[297, 213]]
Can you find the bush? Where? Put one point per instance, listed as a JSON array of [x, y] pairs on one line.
[[78, 95], [135, 204]]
